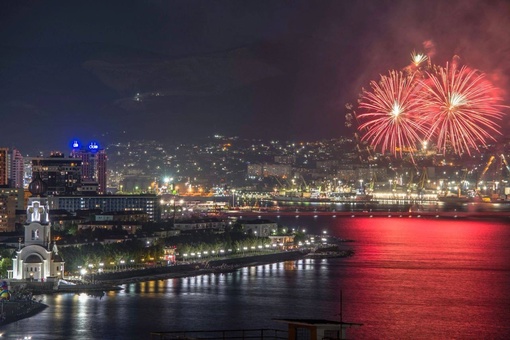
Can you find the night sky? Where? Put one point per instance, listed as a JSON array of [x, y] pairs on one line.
[[268, 69]]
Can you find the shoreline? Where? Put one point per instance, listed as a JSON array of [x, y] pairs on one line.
[[112, 281], [16, 310], [196, 269]]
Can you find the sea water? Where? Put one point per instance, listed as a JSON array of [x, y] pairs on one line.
[[409, 278]]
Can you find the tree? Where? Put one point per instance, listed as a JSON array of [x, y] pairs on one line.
[[5, 262]]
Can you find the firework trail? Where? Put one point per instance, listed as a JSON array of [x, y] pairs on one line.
[[461, 107], [391, 113]]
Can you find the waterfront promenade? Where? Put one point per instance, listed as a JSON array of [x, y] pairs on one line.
[[197, 268]]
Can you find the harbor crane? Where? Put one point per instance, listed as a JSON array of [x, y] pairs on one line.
[[422, 181], [487, 166], [281, 186], [503, 159], [496, 178]]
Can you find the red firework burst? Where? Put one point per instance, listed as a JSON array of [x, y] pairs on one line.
[[461, 107], [391, 114]]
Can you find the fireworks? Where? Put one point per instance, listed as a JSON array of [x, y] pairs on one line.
[[448, 106], [462, 108], [391, 113], [418, 58]]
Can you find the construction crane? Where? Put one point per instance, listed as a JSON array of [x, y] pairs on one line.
[[487, 166], [410, 183], [490, 162], [371, 185], [364, 152], [422, 180], [482, 177], [463, 181], [303, 182], [506, 163], [279, 182]]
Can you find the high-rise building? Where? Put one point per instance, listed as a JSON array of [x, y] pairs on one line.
[[11, 168], [4, 166], [61, 175], [94, 162], [27, 171], [10, 200], [16, 169]]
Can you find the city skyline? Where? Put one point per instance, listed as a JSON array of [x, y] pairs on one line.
[[179, 71]]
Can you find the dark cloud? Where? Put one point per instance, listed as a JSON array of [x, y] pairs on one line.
[[280, 69]]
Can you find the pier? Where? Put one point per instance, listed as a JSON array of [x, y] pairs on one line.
[[351, 214]]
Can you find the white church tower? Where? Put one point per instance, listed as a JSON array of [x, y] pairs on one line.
[[37, 260]]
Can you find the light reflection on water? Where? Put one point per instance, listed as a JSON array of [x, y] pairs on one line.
[[408, 279]]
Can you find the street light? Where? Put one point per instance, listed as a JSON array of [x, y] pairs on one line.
[[173, 219], [167, 180]]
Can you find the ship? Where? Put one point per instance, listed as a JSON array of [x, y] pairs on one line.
[[300, 199], [363, 198], [455, 199]]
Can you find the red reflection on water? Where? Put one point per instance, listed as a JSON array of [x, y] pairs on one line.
[[391, 239], [408, 274]]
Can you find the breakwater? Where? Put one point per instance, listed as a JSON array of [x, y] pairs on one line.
[[12, 311], [411, 214]]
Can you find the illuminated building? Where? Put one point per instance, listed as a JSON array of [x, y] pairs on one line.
[[61, 175], [11, 168], [7, 212], [279, 170], [259, 228], [255, 170], [94, 162], [147, 203], [16, 169], [4, 166], [10, 200]]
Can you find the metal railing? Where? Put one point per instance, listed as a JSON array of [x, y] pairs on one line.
[[263, 333]]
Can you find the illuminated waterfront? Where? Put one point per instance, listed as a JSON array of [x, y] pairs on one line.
[[409, 278]]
